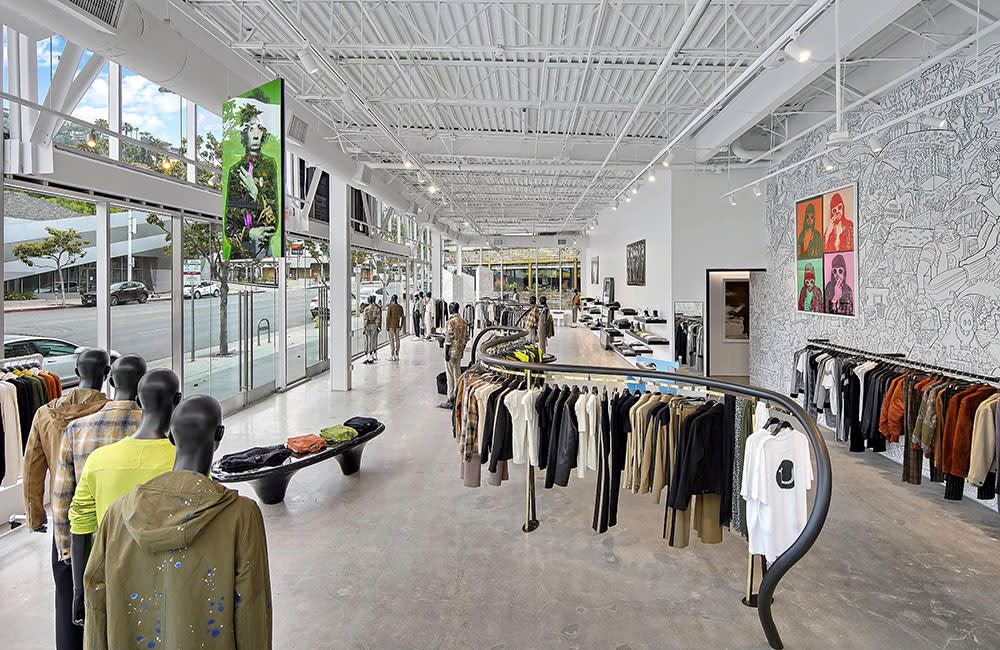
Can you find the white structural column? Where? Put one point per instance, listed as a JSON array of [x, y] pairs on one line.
[[177, 296], [436, 258], [340, 288], [191, 129], [115, 109], [103, 253], [281, 326], [458, 257]]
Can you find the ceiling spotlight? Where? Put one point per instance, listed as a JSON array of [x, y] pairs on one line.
[[420, 177], [797, 52], [651, 178], [166, 164], [628, 199], [466, 223], [669, 159], [757, 191], [635, 189], [614, 207], [92, 139], [407, 163], [828, 164], [933, 122], [876, 144], [432, 189], [732, 200], [308, 61]]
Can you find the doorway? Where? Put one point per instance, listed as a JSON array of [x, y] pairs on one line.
[[727, 324]]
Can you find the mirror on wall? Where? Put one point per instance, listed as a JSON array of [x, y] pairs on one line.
[[689, 336]]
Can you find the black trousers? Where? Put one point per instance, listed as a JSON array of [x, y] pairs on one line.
[[68, 635]]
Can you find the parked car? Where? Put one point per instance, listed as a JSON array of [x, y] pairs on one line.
[[202, 290], [120, 292], [314, 305], [58, 356]]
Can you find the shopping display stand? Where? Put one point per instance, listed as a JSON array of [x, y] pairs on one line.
[[490, 355], [270, 483]]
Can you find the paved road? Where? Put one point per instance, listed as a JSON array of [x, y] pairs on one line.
[[145, 329]]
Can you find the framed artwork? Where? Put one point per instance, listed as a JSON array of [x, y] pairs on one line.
[[736, 319], [635, 264], [253, 155], [595, 270], [826, 252]]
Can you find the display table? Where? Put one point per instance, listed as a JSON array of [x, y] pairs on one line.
[[270, 483]]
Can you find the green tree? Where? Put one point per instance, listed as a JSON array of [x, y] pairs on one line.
[[201, 241], [61, 248]]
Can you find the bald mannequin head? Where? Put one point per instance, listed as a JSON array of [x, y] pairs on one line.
[[196, 430], [532, 300], [158, 393], [125, 375], [92, 367]]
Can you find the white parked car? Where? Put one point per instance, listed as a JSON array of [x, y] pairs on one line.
[[202, 290], [58, 356]]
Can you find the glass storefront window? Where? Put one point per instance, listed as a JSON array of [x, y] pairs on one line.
[[43, 309]]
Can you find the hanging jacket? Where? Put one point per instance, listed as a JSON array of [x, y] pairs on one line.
[[179, 562], [41, 453]]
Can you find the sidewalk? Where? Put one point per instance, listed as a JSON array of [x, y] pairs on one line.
[[72, 301]]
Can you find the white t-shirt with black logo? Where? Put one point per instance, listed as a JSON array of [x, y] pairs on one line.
[[777, 474]]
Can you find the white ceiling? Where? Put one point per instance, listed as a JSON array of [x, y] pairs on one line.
[[520, 111]]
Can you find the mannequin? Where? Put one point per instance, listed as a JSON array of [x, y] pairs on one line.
[[531, 319], [125, 375], [373, 324], [456, 336], [158, 393], [543, 324], [41, 457], [576, 306], [430, 316], [168, 544], [418, 308], [394, 321]]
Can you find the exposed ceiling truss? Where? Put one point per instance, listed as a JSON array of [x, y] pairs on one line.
[[526, 116]]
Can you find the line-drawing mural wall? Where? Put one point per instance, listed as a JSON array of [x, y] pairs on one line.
[[928, 238]]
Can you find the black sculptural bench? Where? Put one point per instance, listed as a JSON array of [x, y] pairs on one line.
[[270, 483]]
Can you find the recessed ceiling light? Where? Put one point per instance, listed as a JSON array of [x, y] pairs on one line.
[[432, 189]]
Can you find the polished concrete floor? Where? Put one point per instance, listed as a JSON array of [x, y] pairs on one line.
[[401, 556]]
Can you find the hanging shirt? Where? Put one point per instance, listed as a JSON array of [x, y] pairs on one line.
[[777, 474]]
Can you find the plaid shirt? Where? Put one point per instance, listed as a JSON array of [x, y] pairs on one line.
[[456, 334], [117, 420], [530, 319]]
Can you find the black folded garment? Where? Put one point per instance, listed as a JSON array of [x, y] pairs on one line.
[[628, 311], [362, 425], [254, 458]]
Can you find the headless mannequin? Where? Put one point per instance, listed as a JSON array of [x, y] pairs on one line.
[[543, 324], [533, 307], [429, 315], [196, 430], [126, 375]]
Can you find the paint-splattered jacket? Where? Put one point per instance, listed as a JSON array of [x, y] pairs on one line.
[[179, 562]]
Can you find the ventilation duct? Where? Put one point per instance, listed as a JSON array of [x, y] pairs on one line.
[[296, 130]]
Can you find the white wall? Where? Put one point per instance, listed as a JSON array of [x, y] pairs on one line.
[[646, 217], [724, 357], [708, 233]]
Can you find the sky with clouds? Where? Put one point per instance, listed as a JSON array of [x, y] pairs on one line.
[[143, 105]]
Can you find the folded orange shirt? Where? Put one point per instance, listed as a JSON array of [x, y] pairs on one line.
[[306, 444]]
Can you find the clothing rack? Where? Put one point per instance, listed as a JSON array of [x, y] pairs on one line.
[[821, 504], [899, 359], [23, 361]]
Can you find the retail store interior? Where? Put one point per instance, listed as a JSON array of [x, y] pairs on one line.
[[586, 324]]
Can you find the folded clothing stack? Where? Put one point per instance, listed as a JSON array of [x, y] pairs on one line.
[[339, 433], [306, 444], [363, 425], [254, 458]]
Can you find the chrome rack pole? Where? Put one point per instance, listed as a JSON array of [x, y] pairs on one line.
[[530, 522]]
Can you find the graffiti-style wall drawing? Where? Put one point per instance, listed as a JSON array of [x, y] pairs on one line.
[[926, 241]]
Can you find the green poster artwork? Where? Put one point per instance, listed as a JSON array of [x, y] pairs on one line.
[[253, 188]]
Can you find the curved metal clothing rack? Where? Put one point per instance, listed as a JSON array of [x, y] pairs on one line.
[[821, 505]]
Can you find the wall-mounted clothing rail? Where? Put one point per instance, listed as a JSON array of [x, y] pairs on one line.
[[488, 354], [900, 359]]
